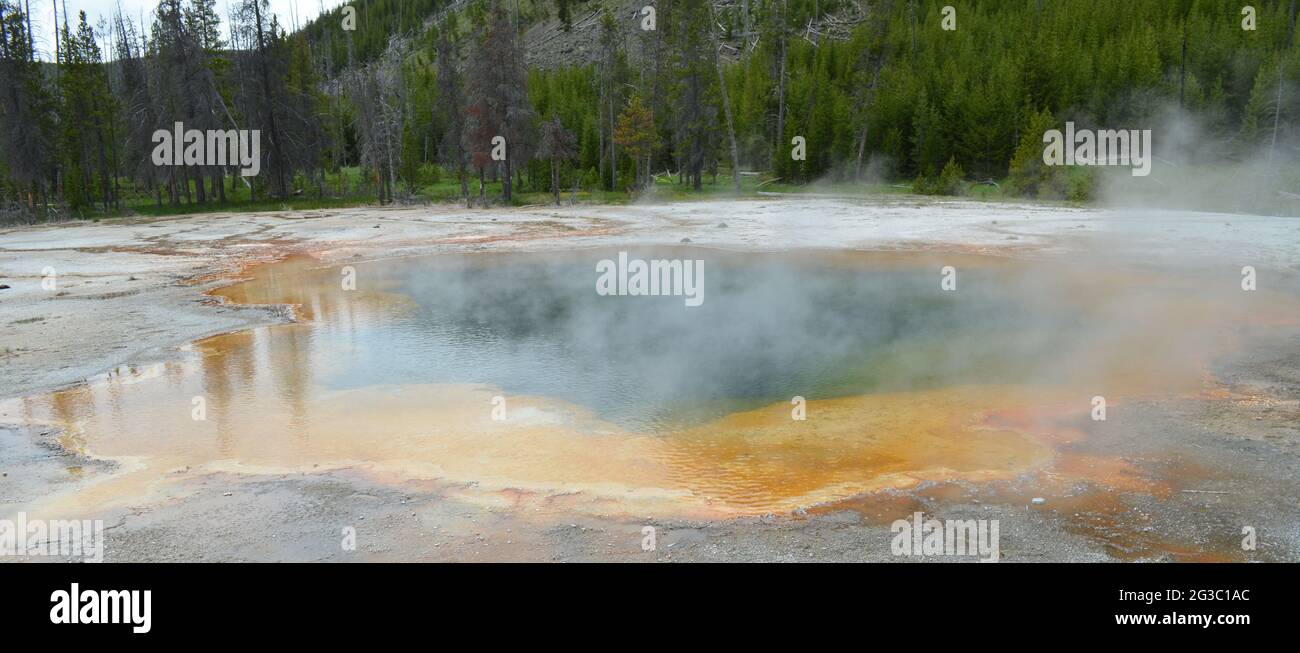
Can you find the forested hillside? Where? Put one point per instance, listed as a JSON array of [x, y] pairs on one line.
[[407, 105]]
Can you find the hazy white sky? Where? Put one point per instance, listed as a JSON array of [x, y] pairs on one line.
[[43, 13]]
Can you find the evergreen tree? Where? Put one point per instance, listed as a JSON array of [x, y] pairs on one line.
[[448, 110], [557, 145], [498, 104], [636, 135], [26, 128], [86, 110]]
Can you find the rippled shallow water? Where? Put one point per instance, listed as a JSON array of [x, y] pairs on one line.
[[645, 398]]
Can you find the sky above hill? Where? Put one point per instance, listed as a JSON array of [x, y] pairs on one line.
[[43, 14]]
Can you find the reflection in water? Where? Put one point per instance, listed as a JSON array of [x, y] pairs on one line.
[[644, 400]]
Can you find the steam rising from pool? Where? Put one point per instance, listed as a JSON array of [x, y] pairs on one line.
[[775, 326]]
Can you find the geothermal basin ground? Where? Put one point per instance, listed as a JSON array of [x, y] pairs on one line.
[[372, 409]]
